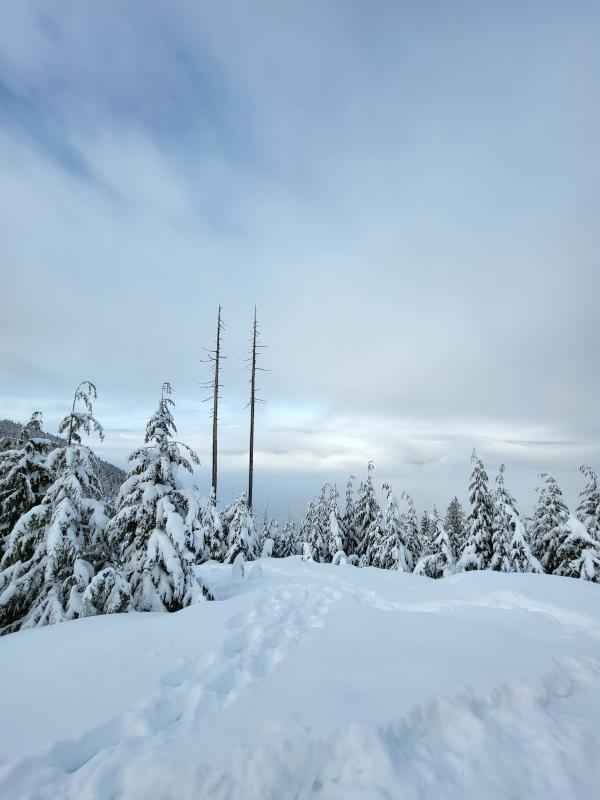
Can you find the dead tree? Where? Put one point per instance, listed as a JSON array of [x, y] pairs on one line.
[[214, 357], [251, 361]]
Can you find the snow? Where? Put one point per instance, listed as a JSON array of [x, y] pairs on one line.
[[315, 681]]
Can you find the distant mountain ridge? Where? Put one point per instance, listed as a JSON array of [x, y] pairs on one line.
[[110, 476]]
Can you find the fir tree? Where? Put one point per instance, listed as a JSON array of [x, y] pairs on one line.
[[425, 536], [153, 527], [350, 543], [55, 548], [242, 537], [366, 512], [579, 553], [287, 542], [478, 550], [24, 475], [334, 536], [588, 510], [549, 524], [410, 528], [388, 548], [503, 511], [214, 535], [455, 525], [441, 560]]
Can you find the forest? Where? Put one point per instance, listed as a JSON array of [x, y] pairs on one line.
[[73, 545]]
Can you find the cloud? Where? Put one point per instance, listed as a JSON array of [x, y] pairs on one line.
[[413, 210]]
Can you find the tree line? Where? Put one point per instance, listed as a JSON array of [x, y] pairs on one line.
[[67, 551]]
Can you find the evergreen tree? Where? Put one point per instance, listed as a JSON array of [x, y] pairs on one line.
[[388, 548], [426, 537], [242, 536], [335, 537], [549, 529], [55, 548], [287, 542], [153, 528], [579, 553], [478, 550], [214, 535], [24, 475], [366, 512], [520, 558], [455, 525], [350, 543], [410, 528], [503, 511], [441, 558], [588, 510]]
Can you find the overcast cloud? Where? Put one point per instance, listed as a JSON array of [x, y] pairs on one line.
[[408, 191]]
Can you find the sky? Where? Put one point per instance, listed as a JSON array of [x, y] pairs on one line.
[[408, 191]]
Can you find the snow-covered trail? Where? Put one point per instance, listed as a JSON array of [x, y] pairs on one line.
[[314, 681]]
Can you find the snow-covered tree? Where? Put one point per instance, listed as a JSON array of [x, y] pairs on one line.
[[588, 510], [351, 543], [579, 553], [477, 553], [455, 524], [426, 536], [334, 535], [441, 558], [549, 529], [519, 558], [55, 548], [242, 536], [287, 542], [366, 512], [315, 527], [387, 548], [269, 531], [503, 511], [153, 528], [24, 475], [410, 528], [215, 543]]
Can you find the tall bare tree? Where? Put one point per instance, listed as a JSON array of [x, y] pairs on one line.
[[253, 400], [214, 357]]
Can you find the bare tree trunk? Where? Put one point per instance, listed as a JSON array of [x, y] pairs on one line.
[[252, 404], [216, 406]]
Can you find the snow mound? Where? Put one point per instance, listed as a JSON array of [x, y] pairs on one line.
[[314, 681]]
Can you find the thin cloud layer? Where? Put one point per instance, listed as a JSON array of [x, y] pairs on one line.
[[410, 198]]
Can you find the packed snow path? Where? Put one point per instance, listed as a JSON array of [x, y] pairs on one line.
[[312, 681]]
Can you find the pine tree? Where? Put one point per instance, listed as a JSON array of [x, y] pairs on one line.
[[410, 528], [388, 548], [520, 558], [287, 542], [426, 537], [366, 512], [24, 475], [335, 536], [455, 524], [317, 527], [549, 529], [588, 510], [503, 511], [441, 560], [579, 553], [55, 548], [350, 543], [214, 535], [153, 528], [242, 536], [478, 550]]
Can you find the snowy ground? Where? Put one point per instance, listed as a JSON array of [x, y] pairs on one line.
[[314, 681]]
